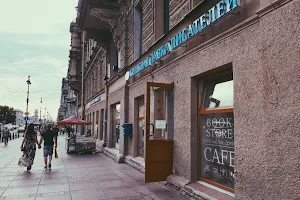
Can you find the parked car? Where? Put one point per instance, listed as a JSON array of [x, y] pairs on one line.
[[21, 129]]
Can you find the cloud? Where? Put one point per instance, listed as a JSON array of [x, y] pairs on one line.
[[36, 16], [35, 41]]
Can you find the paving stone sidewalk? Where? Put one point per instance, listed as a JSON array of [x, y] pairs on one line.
[[74, 177]]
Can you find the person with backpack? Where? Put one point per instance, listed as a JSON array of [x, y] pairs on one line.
[[28, 147], [50, 139]]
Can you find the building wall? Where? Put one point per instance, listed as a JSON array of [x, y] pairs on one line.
[[19, 117], [177, 9], [147, 26], [94, 75], [93, 110], [264, 101], [261, 47]]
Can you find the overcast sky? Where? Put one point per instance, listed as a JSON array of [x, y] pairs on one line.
[[35, 41]]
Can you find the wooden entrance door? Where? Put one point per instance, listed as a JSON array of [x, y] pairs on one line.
[[159, 131]]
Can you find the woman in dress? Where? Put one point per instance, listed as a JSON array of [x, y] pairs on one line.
[[28, 147]]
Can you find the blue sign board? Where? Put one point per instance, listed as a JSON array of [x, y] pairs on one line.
[[26, 118], [95, 100], [212, 15]]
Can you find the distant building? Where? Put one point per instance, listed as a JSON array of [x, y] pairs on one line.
[[19, 117], [67, 101]]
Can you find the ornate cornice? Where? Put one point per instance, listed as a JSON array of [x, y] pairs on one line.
[[105, 15], [110, 17]]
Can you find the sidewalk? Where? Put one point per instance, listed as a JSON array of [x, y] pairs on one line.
[[74, 177]]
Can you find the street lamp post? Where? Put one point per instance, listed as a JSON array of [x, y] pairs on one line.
[[45, 116], [26, 113]]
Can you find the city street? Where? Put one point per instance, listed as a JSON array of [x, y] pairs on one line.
[[74, 177]]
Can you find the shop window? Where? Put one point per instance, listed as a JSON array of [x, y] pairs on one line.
[[113, 60], [101, 124], [141, 124], [116, 109], [196, 3], [158, 113], [162, 17], [216, 125], [90, 126], [94, 125], [97, 125], [138, 22]]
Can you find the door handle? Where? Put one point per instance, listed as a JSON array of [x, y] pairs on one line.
[[152, 125]]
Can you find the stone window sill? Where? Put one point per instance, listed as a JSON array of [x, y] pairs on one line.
[[207, 192]]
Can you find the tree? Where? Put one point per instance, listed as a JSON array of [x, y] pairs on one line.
[[7, 115]]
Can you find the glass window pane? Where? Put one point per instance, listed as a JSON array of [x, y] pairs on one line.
[[116, 133], [218, 94], [217, 148], [116, 111], [141, 137], [141, 107]]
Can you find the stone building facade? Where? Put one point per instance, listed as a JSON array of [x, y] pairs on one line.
[[209, 87], [19, 117], [68, 101]]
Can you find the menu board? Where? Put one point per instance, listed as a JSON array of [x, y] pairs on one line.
[[217, 148]]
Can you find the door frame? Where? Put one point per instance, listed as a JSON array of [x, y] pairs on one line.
[[147, 121], [167, 143]]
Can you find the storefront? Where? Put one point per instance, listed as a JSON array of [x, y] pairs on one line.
[[115, 125], [209, 90], [94, 112]]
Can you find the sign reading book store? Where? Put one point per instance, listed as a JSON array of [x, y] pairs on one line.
[[212, 15], [217, 148]]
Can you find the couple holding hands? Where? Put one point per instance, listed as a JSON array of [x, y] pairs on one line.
[[28, 146]]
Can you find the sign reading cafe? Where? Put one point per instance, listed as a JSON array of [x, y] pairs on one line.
[[212, 15], [217, 148]]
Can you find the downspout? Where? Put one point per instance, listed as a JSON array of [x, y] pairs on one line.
[[106, 112], [82, 79]]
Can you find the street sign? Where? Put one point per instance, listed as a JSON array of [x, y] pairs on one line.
[[26, 118]]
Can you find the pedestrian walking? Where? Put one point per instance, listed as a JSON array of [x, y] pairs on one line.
[[50, 139], [56, 130], [5, 136], [28, 147], [69, 131]]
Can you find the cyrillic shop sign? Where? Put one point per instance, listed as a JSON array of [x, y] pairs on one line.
[[213, 14]]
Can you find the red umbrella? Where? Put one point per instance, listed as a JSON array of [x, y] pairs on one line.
[[73, 121]]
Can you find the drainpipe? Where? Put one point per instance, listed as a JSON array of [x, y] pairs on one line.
[[106, 113], [82, 79]]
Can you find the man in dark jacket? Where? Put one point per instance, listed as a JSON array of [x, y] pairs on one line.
[[50, 139], [69, 130]]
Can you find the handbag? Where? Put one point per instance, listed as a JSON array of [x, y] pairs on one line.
[[56, 154]]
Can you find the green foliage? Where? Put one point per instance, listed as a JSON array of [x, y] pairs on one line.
[[7, 115]]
